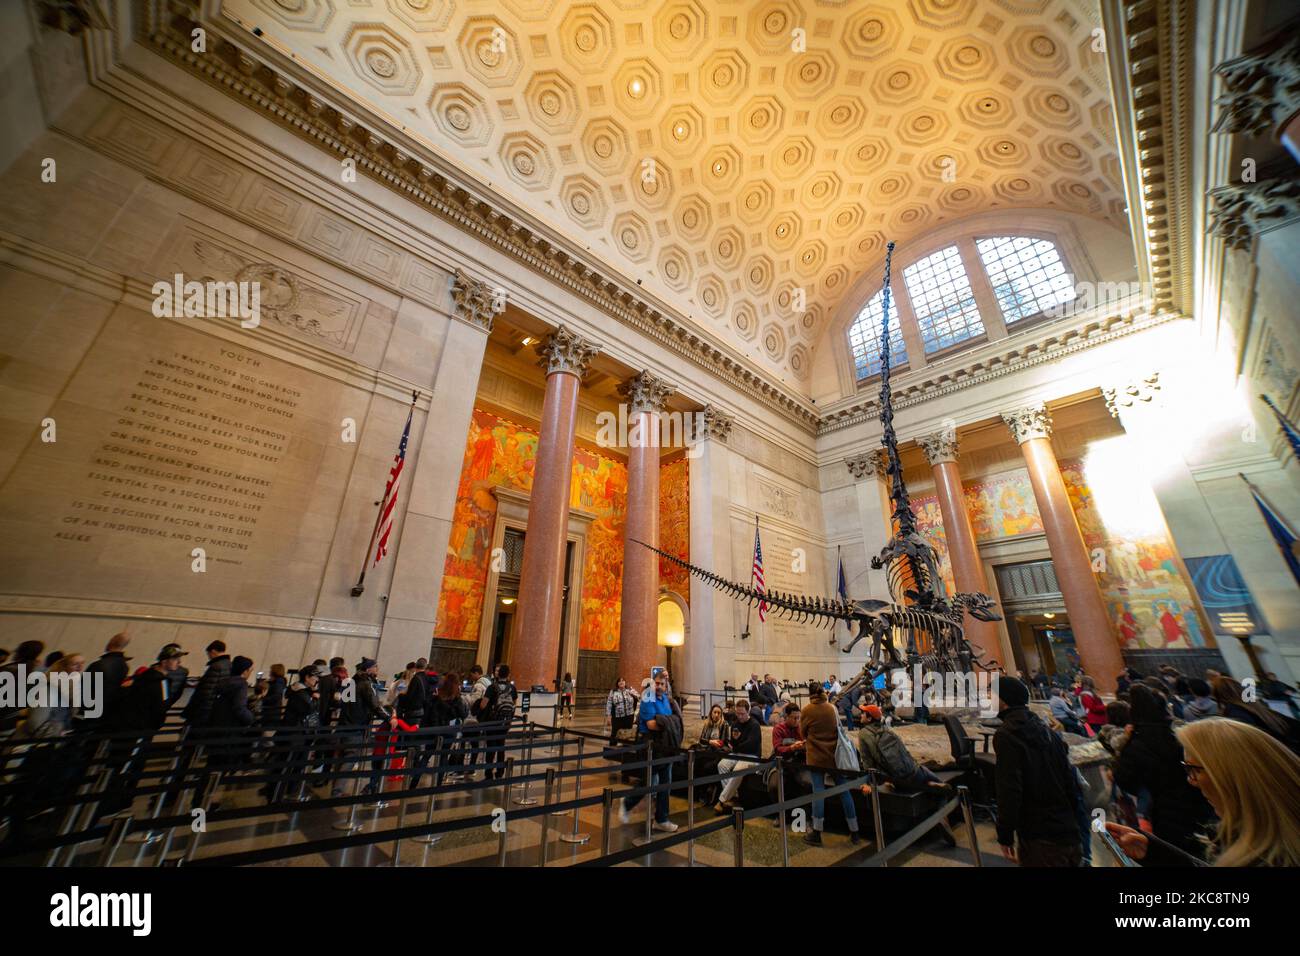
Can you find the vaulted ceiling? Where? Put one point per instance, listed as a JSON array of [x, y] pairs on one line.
[[701, 148]]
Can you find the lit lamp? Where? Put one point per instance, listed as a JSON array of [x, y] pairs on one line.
[[671, 639]]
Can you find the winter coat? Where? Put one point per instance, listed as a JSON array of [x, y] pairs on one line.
[[230, 708], [199, 710], [883, 750], [820, 723], [273, 702], [1037, 793], [299, 708], [1198, 708], [1152, 760], [114, 668], [365, 706], [144, 705]]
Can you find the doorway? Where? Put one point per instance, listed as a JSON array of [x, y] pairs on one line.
[[506, 604]]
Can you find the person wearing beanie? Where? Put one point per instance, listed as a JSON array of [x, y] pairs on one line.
[[883, 750], [1037, 790], [230, 715]]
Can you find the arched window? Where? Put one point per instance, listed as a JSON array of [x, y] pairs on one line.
[[864, 337], [942, 300], [1027, 275]]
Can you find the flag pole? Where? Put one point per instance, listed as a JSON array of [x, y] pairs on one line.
[[749, 607], [359, 588]]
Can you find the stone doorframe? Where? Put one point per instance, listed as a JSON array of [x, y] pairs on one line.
[[512, 513]]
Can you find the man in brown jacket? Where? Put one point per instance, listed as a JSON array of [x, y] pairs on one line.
[[821, 723]]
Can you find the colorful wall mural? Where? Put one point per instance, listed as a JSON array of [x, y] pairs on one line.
[[675, 525], [499, 452], [1149, 598]]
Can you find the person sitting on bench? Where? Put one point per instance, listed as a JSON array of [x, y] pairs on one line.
[[883, 750]]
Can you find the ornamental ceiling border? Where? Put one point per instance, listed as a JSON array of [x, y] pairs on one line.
[[954, 379], [1152, 44], [232, 69]]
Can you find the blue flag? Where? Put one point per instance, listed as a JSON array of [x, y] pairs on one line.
[[1282, 534]]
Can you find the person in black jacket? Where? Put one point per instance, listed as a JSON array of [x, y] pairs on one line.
[[230, 716], [199, 709], [360, 708], [273, 702], [112, 664], [1152, 760], [1037, 792], [293, 744], [142, 709]]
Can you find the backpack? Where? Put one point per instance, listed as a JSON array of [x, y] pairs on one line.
[[505, 703]]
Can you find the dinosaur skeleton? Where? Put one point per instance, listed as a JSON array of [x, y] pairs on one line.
[[922, 625]]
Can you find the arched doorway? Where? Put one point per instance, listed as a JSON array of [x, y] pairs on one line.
[[672, 632]]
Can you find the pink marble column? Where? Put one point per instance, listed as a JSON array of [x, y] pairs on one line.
[[1097, 645], [967, 568], [536, 648], [639, 627]]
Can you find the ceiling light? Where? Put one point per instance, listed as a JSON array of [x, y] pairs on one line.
[[528, 340], [507, 600], [1049, 615], [718, 167], [680, 130], [636, 88]]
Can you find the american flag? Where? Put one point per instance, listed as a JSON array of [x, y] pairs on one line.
[[389, 505], [758, 573]]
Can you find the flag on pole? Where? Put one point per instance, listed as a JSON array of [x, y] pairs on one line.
[[757, 575], [1286, 539], [841, 589], [1288, 429], [388, 507]]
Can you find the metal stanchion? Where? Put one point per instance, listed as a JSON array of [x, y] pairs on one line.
[[526, 800], [204, 800], [875, 812], [87, 810], [412, 783], [575, 836], [738, 824], [606, 805], [690, 806], [350, 825], [546, 817], [963, 797], [780, 814], [431, 838], [649, 797]]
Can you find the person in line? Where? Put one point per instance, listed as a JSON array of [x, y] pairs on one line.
[[787, 737], [770, 696], [26, 656], [500, 709], [329, 688], [230, 716], [620, 710], [1094, 708], [113, 665], [273, 702], [1114, 734], [142, 710], [199, 708], [656, 710], [1227, 692], [1200, 702], [361, 712], [819, 722], [883, 750], [54, 718], [475, 702], [1152, 761], [745, 739], [293, 743], [448, 709], [1037, 793], [400, 683], [1253, 783]]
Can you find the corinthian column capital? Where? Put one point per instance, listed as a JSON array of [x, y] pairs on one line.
[[940, 446], [1029, 421], [565, 351], [869, 464], [1129, 394], [645, 392], [474, 301], [713, 422]]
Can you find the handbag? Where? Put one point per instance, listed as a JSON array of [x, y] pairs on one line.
[[846, 754]]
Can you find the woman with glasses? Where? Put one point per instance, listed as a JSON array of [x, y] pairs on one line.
[[1150, 767], [1253, 783]]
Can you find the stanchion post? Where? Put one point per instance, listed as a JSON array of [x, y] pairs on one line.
[[116, 834], [526, 800], [875, 812], [205, 800], [575, 836], [738, 826], [780, 813], [546, 817], [412, 783], [431, 838], [651, 797], [606, 805], [350, 825], [690, 806], [963, 797]]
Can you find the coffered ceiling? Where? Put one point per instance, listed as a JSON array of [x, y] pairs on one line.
[[691, 146]]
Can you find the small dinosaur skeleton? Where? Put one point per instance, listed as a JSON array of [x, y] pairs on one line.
[[922, 625]]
